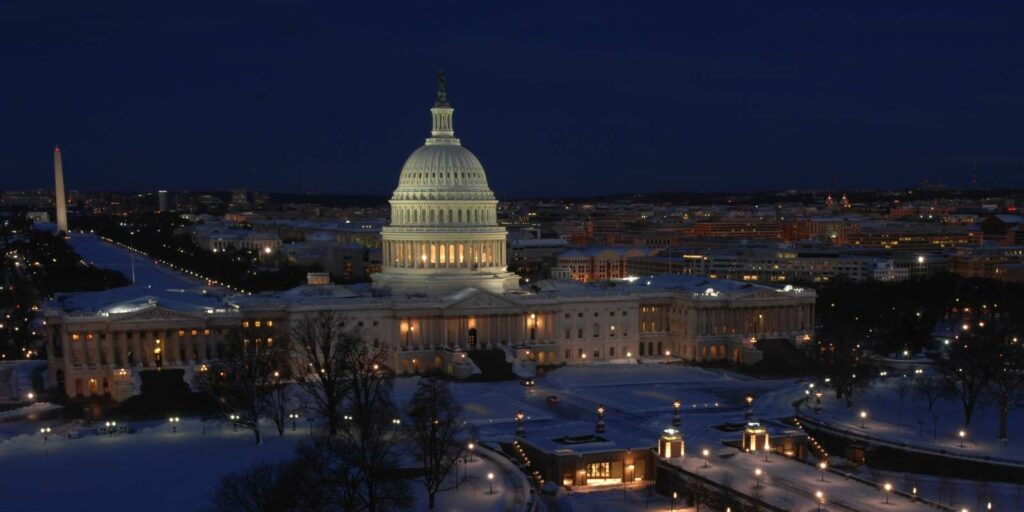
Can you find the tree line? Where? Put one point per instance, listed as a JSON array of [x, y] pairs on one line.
[[359, 461]]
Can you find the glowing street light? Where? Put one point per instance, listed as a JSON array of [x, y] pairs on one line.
[[490, 481], [757, 476], [675, 495], [45, 432], [111, 427], [676, 419], [174, 423], [705, 453], [294, 416], [863, 418], [821, 499], [471, 447], [888, 489], [600, 419], [234, 422], [520, 428], [962, 434]]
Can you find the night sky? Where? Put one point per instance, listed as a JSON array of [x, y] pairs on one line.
[[587, 98]]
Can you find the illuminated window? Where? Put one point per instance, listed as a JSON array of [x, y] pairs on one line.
[[599, 470], [270, 323], [245, 323], [88, 336], [257, 323], [206, 332], [194, 332], [74, 336], [181, 333]]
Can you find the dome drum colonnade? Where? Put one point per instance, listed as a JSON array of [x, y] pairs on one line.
[[444, 234]]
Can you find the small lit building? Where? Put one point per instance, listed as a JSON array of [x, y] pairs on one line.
[[788, 442], [587, 459], [671, 444]]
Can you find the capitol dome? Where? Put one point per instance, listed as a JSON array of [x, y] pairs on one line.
[[443, 168], [444, 234]]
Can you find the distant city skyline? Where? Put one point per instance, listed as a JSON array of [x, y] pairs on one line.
[[555, 101]]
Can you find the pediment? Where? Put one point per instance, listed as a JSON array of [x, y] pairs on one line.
[[152, 313], [481, 300]]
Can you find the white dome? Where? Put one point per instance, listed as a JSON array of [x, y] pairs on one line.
[[442, 168]]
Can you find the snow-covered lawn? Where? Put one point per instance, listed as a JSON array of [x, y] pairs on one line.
[[147, 272], [910, 421]]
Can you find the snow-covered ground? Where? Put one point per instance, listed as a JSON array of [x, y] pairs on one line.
[[908, 420], [113, 257], [155, 469]]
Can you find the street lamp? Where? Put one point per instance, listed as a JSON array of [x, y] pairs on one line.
[[823, 466], [749, 413], [520, 428], [111, 427], [757, 476], [234, 422], [821, 499], [490, 481], [294, 416], [962, 434], [45, 432], [600, 419], [471, 447], [705, 453], [676, 419], [863, 417], [817, 403], [675, 496], [888, 489], [174, 423]]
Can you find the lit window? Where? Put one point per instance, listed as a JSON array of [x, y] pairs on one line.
[[270, 323], [245, 323], [74, 336], [257, 323]]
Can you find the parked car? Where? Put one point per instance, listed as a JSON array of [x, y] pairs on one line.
[[553, 400]]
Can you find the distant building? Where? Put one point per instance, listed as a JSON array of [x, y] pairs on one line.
[[599, 264], [163, 202]]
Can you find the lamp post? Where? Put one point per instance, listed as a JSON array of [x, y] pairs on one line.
[[174, 423], [962, 434], [471, 448], [600, 419], [705, 453], [749, 413], [823, 466], [294, 416], [863, 418], [111, 428], [676, 419], [817, 401], [310, 419], [234, 422], [45, 432], [490, 481], [675, 496], [757, 477], [888, 489], [520, 428], [821, 499]]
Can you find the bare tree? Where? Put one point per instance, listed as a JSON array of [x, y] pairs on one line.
[[292, 486], [929, 387], [244, 377], [903, 387], [842, 356], [1006, 382], [966, 370], [437, 433], [279, 401], [318, 341], [364, 462]]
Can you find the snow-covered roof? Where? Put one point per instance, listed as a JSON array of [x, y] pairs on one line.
[[128, 299]]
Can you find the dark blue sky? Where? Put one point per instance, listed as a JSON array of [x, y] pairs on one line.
[[585, 98]]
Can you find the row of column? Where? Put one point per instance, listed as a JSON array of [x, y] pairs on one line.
[[755, 321], [461, 254], [492, 330], [113, 351]]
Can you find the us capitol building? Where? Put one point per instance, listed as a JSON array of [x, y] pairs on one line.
[[444, 292]]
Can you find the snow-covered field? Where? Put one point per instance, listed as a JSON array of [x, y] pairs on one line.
[[147, 272], [908, 420]]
